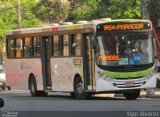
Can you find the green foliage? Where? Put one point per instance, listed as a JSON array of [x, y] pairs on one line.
[[115, 9], [124, 9], [154, 9], [7, 18], [28, 17], [51, 11], [9, 15], [85, 10]]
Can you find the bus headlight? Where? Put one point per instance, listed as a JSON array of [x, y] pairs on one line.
[[104, 77], [149, 76], [109, 79]]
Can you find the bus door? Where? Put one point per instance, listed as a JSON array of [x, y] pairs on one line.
[[46, 69], [89, 65]]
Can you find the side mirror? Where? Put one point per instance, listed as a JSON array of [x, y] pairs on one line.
[[1, 102]]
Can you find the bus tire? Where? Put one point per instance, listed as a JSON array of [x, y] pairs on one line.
[[3, 87], [72, 94], [33, 87], [79, 90], [42, 93], [132, 95], [9, 88]]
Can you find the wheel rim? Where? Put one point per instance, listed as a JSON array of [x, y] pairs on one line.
[[80, 88]]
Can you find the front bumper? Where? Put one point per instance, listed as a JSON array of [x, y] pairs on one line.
[[120, 84]]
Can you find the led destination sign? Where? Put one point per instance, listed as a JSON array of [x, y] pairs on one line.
[[123, 26]]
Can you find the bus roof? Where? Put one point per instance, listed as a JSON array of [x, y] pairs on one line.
[[55, 28]]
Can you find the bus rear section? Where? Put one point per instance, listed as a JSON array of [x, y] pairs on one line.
[[23, 60]]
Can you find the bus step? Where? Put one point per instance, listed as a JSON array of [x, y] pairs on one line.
[[89, 90], [49, 87], [47, 90]]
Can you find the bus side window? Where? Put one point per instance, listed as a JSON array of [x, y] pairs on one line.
[[56, 45], [65, 45], [27, 47], [78, 45], [19, 48], [36, 47], [11, 48], [73, 44]]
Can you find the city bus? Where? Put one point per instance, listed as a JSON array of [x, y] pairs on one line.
[[86, 58]]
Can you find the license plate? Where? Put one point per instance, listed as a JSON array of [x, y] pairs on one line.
[[129, 84]]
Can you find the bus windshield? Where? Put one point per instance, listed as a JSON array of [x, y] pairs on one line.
[[124, 49]]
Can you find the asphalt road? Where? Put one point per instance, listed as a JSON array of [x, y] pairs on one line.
[[21, 101]]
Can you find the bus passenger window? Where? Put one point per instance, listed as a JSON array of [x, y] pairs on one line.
[[56, 47], [73, 45], [37, 47], [18, 48], [11, 48], [66, 45], [78, 45], [27, 47]]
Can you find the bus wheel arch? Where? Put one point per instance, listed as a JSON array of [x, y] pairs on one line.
[[77, 76]]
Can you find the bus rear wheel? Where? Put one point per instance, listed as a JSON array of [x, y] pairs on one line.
[[79, 90], [132, 95], [72, 94], [33, 86]]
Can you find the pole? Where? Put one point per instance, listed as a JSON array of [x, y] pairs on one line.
[[19, 14]]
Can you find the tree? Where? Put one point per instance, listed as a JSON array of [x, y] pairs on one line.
[[85, 10], [7, 18], [51, 11], [28, 17], [9, 15], [124, 9], [115, 9], [153, 8]]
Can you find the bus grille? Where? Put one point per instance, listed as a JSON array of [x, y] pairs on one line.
[[129, 83]]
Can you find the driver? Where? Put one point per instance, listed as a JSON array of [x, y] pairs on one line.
[[110, 45]]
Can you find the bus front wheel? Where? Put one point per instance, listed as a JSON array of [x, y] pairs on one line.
[[132, 95], [79, 90]]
